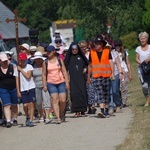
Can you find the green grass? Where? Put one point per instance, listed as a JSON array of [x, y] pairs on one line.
[[139, 135]]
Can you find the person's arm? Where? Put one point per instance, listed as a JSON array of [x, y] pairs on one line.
[[44, 76], [129, 67], [27, 74], [119, 67], [89, 73], [65, 74], [137, 58], [112, 69]]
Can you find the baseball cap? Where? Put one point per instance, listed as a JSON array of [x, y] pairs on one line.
[[9, 52], [22, 56], [50, 48], [57, 31], [99, 39], [118, 42], [3, 57]]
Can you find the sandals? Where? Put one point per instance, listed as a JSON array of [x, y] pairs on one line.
[[77, 114], [58, 121]]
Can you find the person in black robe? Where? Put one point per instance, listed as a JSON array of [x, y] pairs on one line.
[[76, 63]]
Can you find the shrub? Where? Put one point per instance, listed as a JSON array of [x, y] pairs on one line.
[[130, 41]]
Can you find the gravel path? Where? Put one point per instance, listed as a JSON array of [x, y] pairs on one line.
[[84, 133]]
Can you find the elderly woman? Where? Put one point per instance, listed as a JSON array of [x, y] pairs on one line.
[[9, 88], [143, 56]]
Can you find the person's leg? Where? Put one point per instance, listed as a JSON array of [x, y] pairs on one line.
[[6, 101], [62, 100], [46, 103], [53, 90], [14, 108], [116, 92], [39, 103]]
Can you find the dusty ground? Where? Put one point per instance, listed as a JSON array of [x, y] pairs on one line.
[[84, 133]]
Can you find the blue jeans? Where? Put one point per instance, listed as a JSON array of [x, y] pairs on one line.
[[115, 92]]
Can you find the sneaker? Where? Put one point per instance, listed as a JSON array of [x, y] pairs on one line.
[[8, 124], [111, 111], [41, 119], [51, 116], [93, 110], [15, 123], [47, 121], [1, 121], [31, 124], [27, 121], [107, 115], [101, 115]]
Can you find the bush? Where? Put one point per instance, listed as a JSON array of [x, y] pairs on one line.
[[130, 41]]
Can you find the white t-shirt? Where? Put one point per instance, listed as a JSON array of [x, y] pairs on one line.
[[15, 71], [123, 62], [26, 84], [143, 54], [114, 56]]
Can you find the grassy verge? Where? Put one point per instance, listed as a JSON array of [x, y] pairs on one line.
[[139, 135]]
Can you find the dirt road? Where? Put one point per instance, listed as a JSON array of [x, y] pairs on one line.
[[84, 133]]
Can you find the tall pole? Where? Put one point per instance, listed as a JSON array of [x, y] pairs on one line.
[[15, 20]]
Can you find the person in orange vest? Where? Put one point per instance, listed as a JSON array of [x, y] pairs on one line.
[[102, 70]]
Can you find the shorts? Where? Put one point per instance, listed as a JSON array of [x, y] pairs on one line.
[[56, 88], [8, 97], [28, 96]]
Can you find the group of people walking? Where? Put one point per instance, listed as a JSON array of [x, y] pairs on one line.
[[89, 74]]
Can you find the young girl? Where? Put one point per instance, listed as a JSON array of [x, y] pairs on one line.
[[27, 88]]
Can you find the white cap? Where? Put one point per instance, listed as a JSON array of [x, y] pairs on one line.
[[3, 57], [33, 48], [57, 31]]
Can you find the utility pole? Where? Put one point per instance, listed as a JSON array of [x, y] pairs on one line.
[[16, 20]]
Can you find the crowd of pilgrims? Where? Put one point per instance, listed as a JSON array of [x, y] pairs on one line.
[[88, 77]]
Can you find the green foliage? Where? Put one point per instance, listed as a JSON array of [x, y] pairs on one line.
[[146, 18], [124, 16], [130, 41]]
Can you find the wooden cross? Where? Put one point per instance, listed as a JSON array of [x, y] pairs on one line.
[[16, 20]]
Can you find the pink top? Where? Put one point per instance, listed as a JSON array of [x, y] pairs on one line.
[[54, 74]]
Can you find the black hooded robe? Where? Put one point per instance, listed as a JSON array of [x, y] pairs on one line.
[[76, 65]]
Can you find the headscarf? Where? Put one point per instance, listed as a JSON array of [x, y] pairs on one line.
[[69, 54]]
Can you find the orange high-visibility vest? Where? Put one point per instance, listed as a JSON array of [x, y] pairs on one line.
[[100, 68]]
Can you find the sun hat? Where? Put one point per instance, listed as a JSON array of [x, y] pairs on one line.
[[9, 52], [3, 57], [33, 48], [38, 55], [50, 48], [22, 56], [99, 39], [25, 46]]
